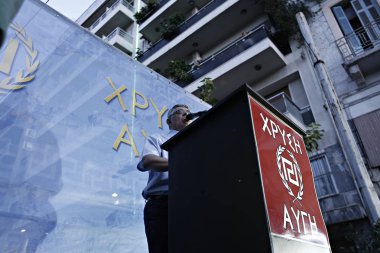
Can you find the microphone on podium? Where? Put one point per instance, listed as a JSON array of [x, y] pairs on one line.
[[191, 116]]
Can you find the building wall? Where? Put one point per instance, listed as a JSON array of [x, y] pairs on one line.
[[345, 204], [357, 98], [104, 29]]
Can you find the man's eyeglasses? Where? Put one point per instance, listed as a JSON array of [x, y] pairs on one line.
[[180, 111]]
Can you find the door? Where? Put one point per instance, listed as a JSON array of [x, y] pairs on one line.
[[369, 15]]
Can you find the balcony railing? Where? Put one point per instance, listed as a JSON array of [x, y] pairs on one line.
[[283, 103], [118, 31], [160, 3], [361, 40], [211, 6], [230, 51], [116, 4]]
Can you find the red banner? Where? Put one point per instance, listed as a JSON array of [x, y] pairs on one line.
[[291, 201]]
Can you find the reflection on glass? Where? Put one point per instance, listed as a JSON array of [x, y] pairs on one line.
[[57, 164]]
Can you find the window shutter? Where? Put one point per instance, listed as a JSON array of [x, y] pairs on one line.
[[347, 30], [368, 127]]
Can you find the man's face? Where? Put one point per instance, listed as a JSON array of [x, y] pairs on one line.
[[177, 120]]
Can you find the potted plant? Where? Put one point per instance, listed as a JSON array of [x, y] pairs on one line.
[[178, 71], [205, 91], [313, 134], [170, 25], [145, 11]]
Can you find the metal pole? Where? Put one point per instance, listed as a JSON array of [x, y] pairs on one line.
[[350, 150]]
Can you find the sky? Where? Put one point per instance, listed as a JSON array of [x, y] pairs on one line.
[[70, 8]]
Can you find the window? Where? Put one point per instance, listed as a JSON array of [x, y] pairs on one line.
[[323, 178], [359, 21]]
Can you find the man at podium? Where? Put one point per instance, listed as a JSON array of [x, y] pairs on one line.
[[155, 161]]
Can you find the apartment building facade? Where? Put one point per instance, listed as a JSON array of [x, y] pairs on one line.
[[114, 22], [234, 42]]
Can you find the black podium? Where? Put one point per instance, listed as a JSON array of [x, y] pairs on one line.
[[216, 196]]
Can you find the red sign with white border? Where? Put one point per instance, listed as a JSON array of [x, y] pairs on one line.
[[291, 201]]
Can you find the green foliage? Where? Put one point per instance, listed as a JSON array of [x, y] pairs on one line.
[[206, 91], [362, 241], [313, 134], [376, 236], [283, 15], [178, 70], [139, 53], [145, 11], [169, 26]]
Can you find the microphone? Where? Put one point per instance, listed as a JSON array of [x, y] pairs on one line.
[[191, 116]]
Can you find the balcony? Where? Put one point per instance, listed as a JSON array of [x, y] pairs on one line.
[[160, 3], [120, 39], [284, 104], [233, 49], [151, 25], [245, 60], [120, 14], [362, 47], [211, 6], [202, 32]]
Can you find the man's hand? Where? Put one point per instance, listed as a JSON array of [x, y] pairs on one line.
[[155, 163]]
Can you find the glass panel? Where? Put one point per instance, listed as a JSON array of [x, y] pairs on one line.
[[324, 183], [318, 186], [317, 167], [364, 18], [63, 185], [327, 186], [374, 13], [357, 5], [376, 5]]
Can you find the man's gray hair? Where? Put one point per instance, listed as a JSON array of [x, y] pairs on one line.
[[170, 113]]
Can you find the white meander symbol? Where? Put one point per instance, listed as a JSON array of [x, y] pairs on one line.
[[289, 172]]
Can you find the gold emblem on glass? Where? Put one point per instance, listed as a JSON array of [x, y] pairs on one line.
[[31, 62]]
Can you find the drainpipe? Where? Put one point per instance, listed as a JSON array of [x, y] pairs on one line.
[[346, 139]]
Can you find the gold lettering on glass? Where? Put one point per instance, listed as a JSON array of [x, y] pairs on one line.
[[117, 93], [136, 104], [160, 113], [144, 133], [129, 142]]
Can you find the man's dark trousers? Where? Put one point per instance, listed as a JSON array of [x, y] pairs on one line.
[[156, 225]]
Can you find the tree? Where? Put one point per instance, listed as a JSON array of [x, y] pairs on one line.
[[206, 91], [178, 70], [313, 134], [170, 25]]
